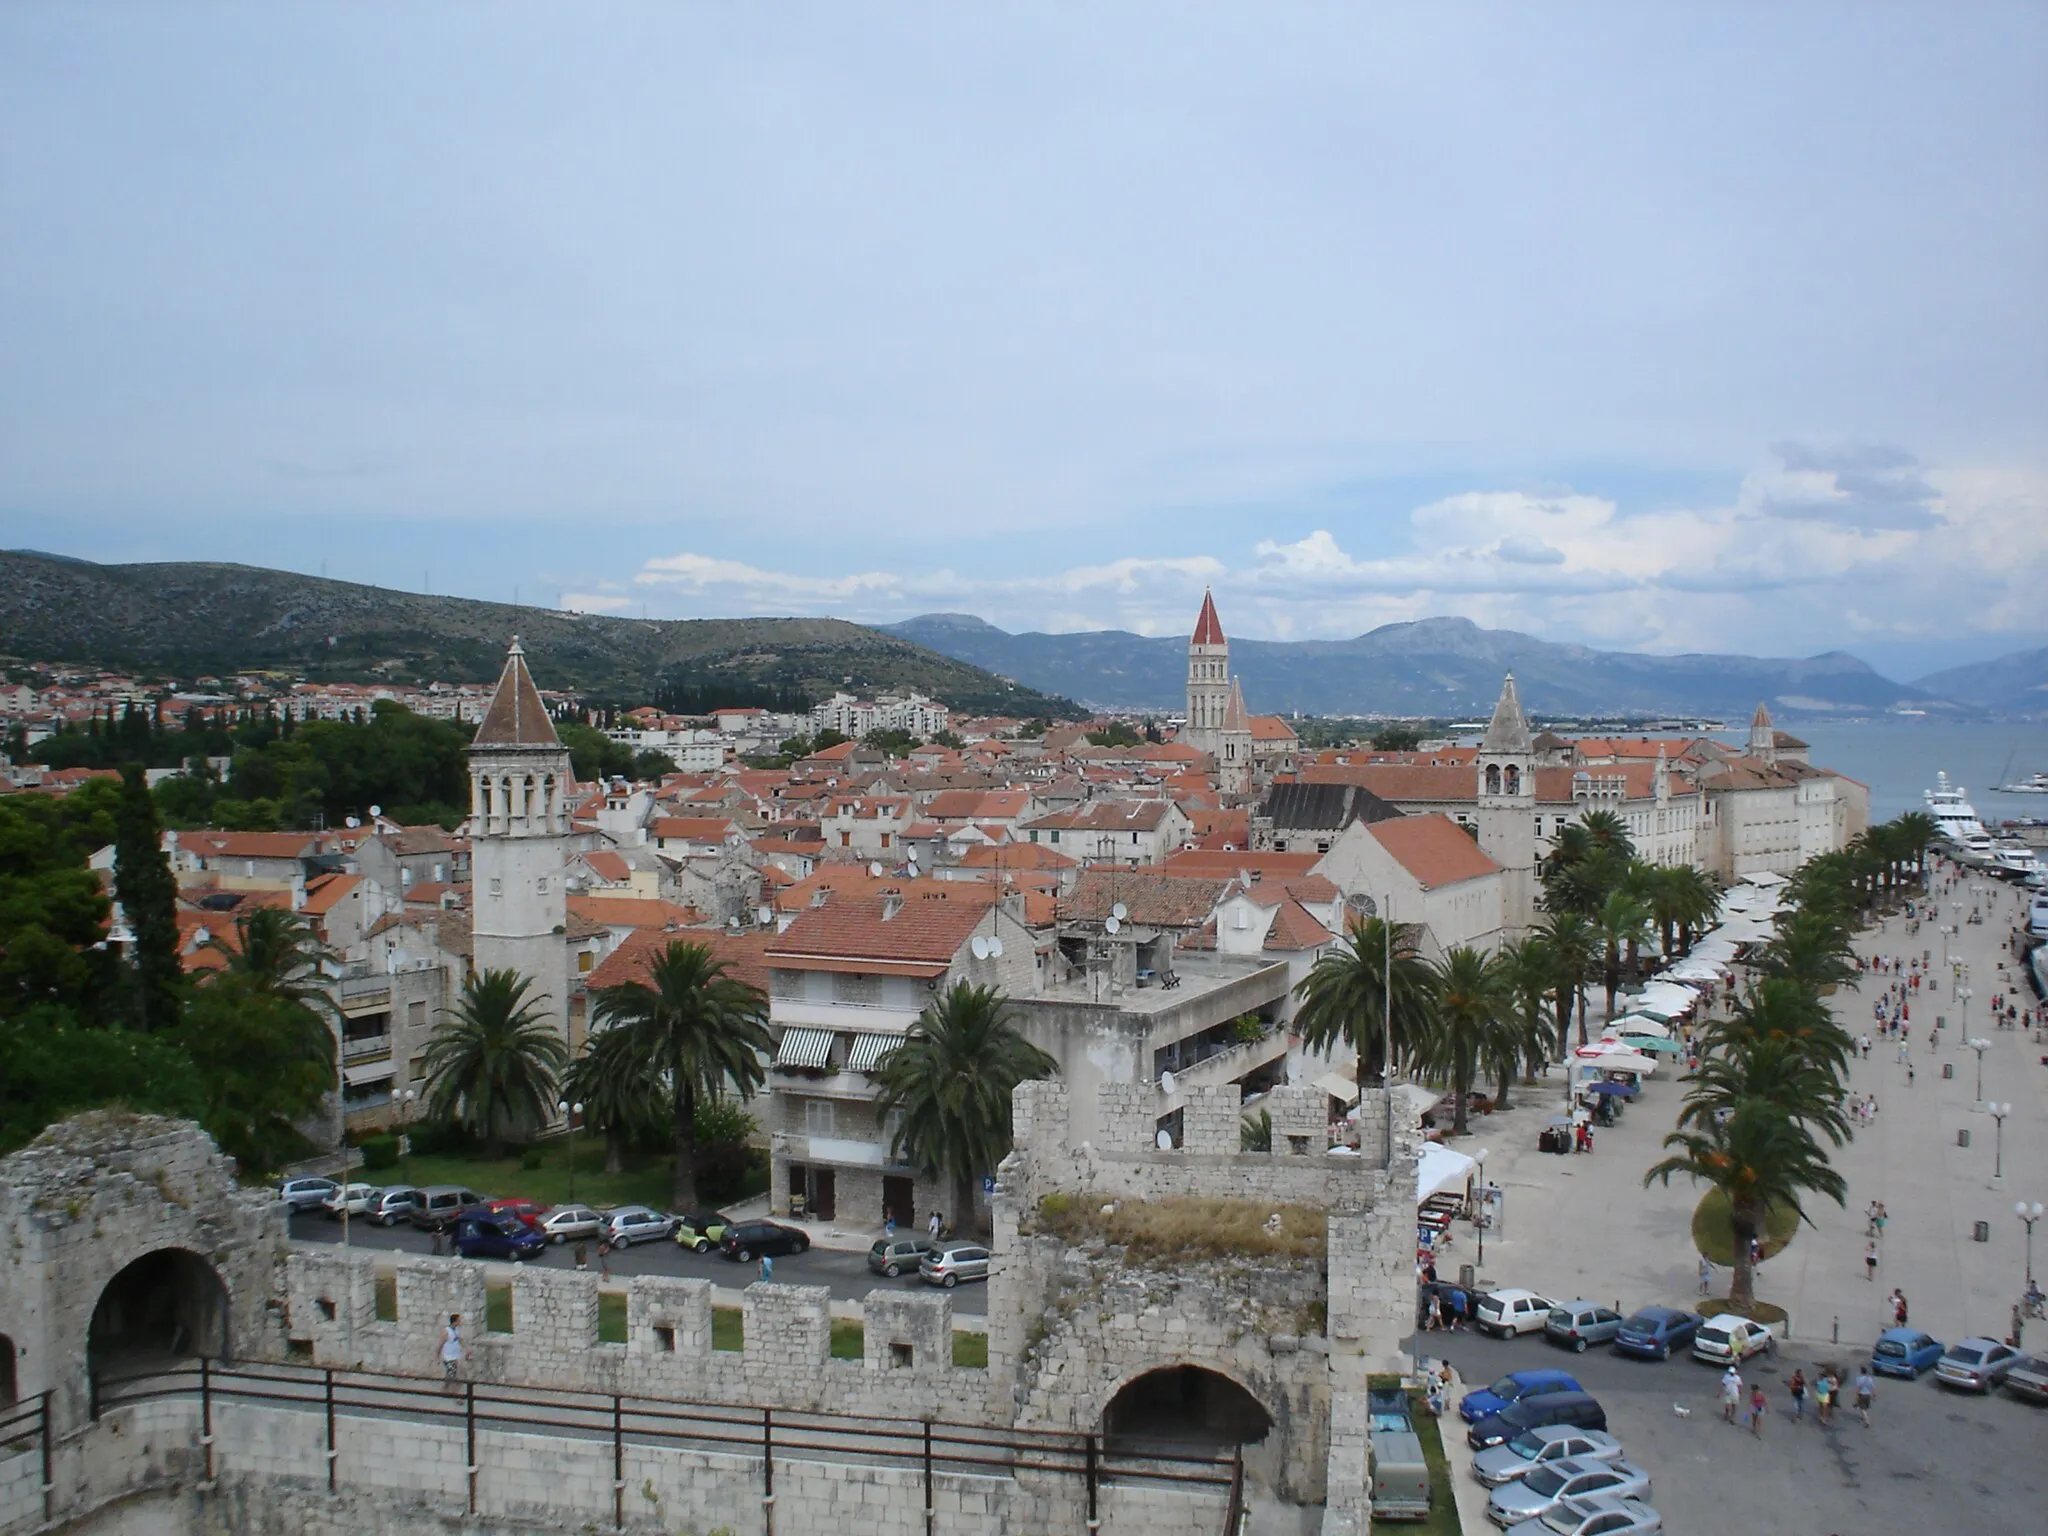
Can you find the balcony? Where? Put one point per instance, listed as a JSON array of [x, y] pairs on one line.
[[1231, 1063], [362, 1047], [359, 990]]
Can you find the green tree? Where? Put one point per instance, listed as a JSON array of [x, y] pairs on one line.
[[494, 1061], [1117, 733], [1811, 948], [279, 953], [1573, 944], [148, 894], [1397, 736], [1529, 970], [266, 1062], [951, 1080], [705, 1029], [623, 1091], [1469, 1023], [594, 755], [1623, 924], [1345, 996], [55, 1067], [890, 741]]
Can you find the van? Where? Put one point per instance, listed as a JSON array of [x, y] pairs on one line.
[[1579, 1410], [438, 1205], [1400, 1477]]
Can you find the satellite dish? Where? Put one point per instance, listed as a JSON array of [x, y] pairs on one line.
[[1119, 911], [1166, 1141], [995, 947], [980, 947], [1165, 1086], [1111, 925], [875, 869], [376, 810]]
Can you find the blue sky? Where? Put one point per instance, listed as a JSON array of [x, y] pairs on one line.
[[1679, 327]]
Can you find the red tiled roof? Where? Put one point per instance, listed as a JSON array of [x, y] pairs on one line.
[[1152, 898], [1204, 861], [913, 937], [1294, 927], [741, 952], [1208, 628], [633, 912], [1434, 849]]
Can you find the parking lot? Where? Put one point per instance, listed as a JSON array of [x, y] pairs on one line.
[[845, 1274]]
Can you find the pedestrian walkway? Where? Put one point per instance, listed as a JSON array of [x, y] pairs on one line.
[[1583, 1226]]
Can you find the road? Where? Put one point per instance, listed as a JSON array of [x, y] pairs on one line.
[[846, 1275], [1932, 1461]]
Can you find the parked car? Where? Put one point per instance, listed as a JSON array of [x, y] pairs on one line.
[[305, 1194], [955, 1262], [1387, 1411], [1512, 1311], [439, 1205], [2028, 1379], [701, 1230], [1539, 1447], [1600, 1515], [1725, 1339], [1904, 1352], [631, 1224], [479, 1234], [1400, 1477], [1579, 1410], [527, 1212], [893, 1256], [393, 1206], [751, 1239], [358, 1198], [570, 1223], [1976, 1365], [1512, 1388], [1656, 1333], [1577, 1324], [1560, 1482]]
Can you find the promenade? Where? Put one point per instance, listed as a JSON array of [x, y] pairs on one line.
[[1584, 1225]]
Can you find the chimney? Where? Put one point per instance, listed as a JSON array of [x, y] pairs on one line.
[[892, 903]]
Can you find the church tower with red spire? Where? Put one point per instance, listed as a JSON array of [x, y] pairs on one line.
[[1208, 680]]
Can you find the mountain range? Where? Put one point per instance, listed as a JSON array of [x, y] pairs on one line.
[[1452, 667], [195, 620]]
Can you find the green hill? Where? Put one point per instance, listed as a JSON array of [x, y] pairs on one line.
[[193, 620]]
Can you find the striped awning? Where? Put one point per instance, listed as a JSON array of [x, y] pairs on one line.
[[868, 1051], [804, 1048], [369, 1072]]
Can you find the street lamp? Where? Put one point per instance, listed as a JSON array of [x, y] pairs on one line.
[[1965, 994], [1980, 1046], [1481, 1161], [2028, 1215], [1998, 1113], [569, 1112]]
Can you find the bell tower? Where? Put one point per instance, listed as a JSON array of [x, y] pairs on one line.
[[1208, 679], [1763, 737], [520, 840], [1506, 768]]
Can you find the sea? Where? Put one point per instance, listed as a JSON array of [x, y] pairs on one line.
[[1898, 757]]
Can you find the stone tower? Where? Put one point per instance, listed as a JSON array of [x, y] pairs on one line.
[[1233, 746], [520, 840], [1506, 767], [1763, 738], [1208, 680]]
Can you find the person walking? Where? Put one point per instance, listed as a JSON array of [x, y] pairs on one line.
[[1757, 1404], [889, 1221], [1870, 1261], [1706, 1275], [933, 1225], [767, 1267], [582, 1255], [1797, 1387], [1824, 1396], [1731, 1394], [452, 1351], [1866, 1389]]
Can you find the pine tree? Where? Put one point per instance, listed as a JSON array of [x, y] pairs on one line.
[[148, 895]]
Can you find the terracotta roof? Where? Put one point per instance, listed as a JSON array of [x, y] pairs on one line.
[[516, 716], [607, 865], [977, 804], [250, 845], [741, 952], [851, 881], [1271, 728], [910, 937], [1434, 849], [1294, 927], [692, 829], [1208, 628], [323, 893], [1204, 861], [1106, 816], [1151, 898], [1015, 856], [633, 912]]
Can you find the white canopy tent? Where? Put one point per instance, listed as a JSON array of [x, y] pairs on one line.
[[1637, 1024], [1439, 1168], [1614, 1056]]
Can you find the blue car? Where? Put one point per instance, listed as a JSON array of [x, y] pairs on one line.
[[1654, 1333], [1904, 1352], [1512, 1388], [481, 1235]]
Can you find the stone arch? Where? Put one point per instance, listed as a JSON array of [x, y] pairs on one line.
[[169, 1302], [1493, 778], [1184, 1403]]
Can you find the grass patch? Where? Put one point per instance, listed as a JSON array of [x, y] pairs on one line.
[[1443, 1504], [1186, 1228], [1713, 1232], [611, 1317], [728, 1329], [971, 1351], [849, 1339], [497, 1309], [384, 1297], [646, 1179]]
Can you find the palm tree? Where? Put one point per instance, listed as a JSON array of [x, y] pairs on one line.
[[1774, 1068], [1573, 944], [1466, 1030], [1530, 969], [1608, 834], [494, 1060], [1779, 1008], [1759, 1155], [1917, 833], [700, 1026], [1695, 900], [278, 952], [1622, 923], [623, 1092], [951, 1080], [1344, 997], [1811, 948]]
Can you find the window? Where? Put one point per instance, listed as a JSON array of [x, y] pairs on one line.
[[497, 886], [541, 885], [584, 961], [415, 1015], [820, 1117]]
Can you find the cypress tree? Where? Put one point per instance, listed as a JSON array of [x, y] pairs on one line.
[[148, 894]]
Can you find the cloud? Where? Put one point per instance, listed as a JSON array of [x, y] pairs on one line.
[[1521, 549], [1857, 485], [595, 602]]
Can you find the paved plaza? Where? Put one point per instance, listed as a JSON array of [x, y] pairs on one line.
[[1583, 1226]]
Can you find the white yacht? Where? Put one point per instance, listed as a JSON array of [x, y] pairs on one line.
[[2033, 784], [2014, 858], [1955, 818]]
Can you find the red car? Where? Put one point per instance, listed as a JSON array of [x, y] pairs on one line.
[[527, 1212]]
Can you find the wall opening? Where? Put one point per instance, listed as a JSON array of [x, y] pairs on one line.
[[9, 1389], [1184, 1405], [166, 1304]]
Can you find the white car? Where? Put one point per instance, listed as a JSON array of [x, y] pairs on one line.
[[361, 1200], [1726, 1338], [1512, 1311]]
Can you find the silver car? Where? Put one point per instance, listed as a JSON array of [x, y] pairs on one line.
[[1558, 1482], [306, 1194], [392, 1206], [1539, 1447], [1576, 1324], [631, 1224], [953, 1263], [1976, 1365], [570, 1223], [1600, 1515]]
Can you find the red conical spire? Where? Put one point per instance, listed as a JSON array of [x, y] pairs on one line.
[[1208, 628]]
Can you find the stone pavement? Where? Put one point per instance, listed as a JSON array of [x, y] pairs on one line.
[[1583, 1226]]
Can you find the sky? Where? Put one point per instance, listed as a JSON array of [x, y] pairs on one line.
[[1681, 327]]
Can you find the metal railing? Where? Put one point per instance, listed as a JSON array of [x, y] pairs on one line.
[[30, 1421], [610, 1422]]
